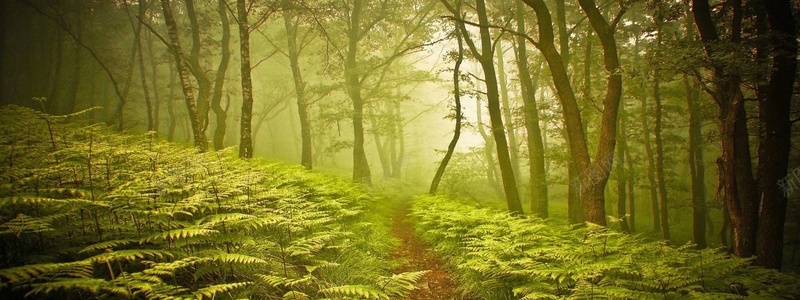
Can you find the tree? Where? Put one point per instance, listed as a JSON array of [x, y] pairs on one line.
[[456, 113], [593, 175], [246, 140], [183, 73], [775, 135], [291, 22], [529, 85], [485, 56]]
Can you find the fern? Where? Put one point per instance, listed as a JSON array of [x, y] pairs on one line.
[[211, 291], [359, 291]]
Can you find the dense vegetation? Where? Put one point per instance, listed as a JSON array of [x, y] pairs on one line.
[[87, 213], [500, 256]]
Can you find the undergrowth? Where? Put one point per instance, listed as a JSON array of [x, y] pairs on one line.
[[499, 256], [85, 213]]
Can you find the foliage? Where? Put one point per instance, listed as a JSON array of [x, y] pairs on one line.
[[86, 214], [499, 256]]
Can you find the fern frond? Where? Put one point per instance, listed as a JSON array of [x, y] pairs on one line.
[[107, 245], [295, 295], [129, 255], [16, 275], [361, 291], [188, 232], [211, 291]]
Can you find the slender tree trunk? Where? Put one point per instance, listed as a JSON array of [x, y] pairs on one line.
[[183, 70], [220, 113], [361, 172], [622, 177], [154, 82], [53, 100], [299, 87], [246, 139], [457, 114], [631, 184], [696, 165], [775, 141], [495, 114], [537, 173], [506, 108], [203, 82], [662, 186], [488, 151], [142, 73]]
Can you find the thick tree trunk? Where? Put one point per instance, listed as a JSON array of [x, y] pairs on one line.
[[536, 162], [457, 114], [306, 157], [183, 70], [735, 174], [203, 82], [593, 175], [246, 139], [775, 142]]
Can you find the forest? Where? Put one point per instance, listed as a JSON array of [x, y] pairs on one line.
[[399, 149]]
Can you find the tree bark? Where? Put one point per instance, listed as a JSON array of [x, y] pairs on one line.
[[306, 157], [457, 115], [485, 57], [536, 161], [735, 174], [220, 113], [696, 165], [659, 160], [593, 175], [775, 135], [183, 70], [246, 139], [506, 109], [361, 172]]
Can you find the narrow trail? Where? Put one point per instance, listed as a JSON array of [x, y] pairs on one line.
[[416, 255]]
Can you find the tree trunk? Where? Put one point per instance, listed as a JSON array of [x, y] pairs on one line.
[[506, 109], [306, 157], [457, 115], [662, 186], [154, 82], [536, 161], [183, 70], [246, 139], [361, 172], [142, 73], [220, 113], [696, 165], [622, 177], [775, 135], [593, 175], [735, 174], [203, 82]]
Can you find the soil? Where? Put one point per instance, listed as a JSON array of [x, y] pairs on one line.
[[416, 255]]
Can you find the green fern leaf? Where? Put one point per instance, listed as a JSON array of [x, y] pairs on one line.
[[361, 291], [211, 291]]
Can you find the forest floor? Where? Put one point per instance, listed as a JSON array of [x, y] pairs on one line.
[[413, 254]]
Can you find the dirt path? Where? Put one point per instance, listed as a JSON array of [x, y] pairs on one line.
[[415, 255]]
